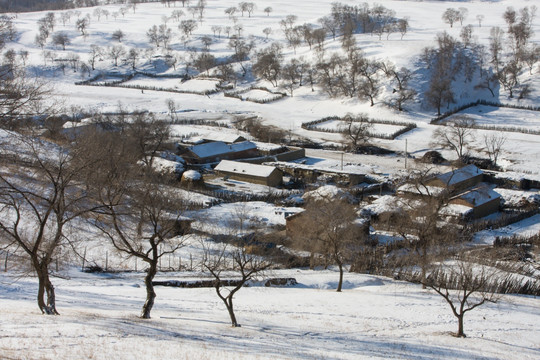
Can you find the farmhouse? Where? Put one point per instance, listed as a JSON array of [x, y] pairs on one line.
[[253, 173], [459, 179], [482, 201], [217, 151]]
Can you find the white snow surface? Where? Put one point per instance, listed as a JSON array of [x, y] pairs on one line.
[[373, 318]]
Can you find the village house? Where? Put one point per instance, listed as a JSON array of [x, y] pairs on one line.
[[213, 152], [459, 179], [253, 173], [481, 200]]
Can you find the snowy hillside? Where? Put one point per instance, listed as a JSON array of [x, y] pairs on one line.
[[195, 71]]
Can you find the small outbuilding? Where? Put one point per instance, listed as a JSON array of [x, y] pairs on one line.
[[253, 173]]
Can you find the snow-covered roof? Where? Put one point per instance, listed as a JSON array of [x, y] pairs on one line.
[[165, 166], [245, 168], [328, 192], [191, 175], [219, 147], [420, 190], [479, 195], [459, 175]]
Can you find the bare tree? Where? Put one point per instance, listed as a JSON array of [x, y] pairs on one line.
[[82, 25], [268, 64], [268, 10], [356, 131], [450, 16], [95, 53], [118, 35], [132, 57], [464, 285], [236, 260], [456, 136], [462, 15], [494, 144], [38, 201], [267, 31], [329, 229], [115, 52], [61, 39], [153, 35], [480, 18], [138, 215]]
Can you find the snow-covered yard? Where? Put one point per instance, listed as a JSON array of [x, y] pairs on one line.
[[374, 318]]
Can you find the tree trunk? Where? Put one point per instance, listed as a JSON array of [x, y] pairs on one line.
[[230, 309], [45, 288], [460, 332], [340, 283], [150, 293]]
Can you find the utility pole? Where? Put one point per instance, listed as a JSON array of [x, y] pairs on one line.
[[405, 153]]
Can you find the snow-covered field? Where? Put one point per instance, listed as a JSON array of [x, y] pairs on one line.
[[373, 318], [520, 153]]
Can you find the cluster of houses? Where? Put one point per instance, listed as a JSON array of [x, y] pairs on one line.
[[233, 157], [469, 196]]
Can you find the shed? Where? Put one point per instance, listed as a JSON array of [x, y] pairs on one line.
[[253, 173]]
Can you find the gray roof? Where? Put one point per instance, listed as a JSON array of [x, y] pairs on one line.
[[219, 148], [459, 175], [238, 167]]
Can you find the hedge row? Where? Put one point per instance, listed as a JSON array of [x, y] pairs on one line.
[[406, 127], [238, 95]]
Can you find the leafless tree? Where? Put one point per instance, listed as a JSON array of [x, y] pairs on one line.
[[462, 15], [217, 29], [494, 144], [153, 35], [137, 213], [450, 16], [61, 39], [38, 201], [242, 49], [267, 31], [356, 130], [82, 25], [177, 14], [329, 229], [456, 136], [133, 56], [464, 285], [403, 26], [96, 52], [187, 27], [268, 64], [118, 35], [227, 260], [115, 52], [230, 11], [480, 18], [268, 10]]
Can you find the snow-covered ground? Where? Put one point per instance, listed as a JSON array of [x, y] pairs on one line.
[[373, 318], [520, 153]]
